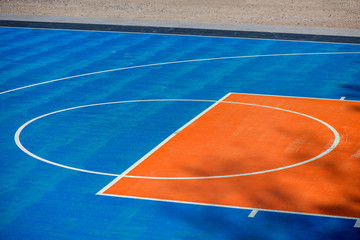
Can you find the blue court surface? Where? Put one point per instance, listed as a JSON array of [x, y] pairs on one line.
[[49, 186]]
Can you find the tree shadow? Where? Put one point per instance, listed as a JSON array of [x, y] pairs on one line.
[[319, 187], [355, 108], [352, 90]]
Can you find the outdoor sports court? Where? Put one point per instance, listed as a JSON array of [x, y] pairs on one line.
[[120, 135]]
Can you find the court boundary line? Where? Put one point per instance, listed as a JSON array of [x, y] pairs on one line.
[[214, 205], [253, 212], [101, 192], [314, 98], [183, 31], [229, 206]]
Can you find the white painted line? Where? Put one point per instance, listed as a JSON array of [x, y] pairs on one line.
[[282, 96], [332, 147], [228, 206], [357, 223], [160, 145], [175, 62], [253, 213], [18, 132], [19, 144], [101, 192], [17, 135], [342, 98]]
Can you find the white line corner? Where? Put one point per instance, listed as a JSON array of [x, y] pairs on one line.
[[253, 213], [357, 223]]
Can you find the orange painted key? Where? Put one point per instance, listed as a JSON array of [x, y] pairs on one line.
[[264, 152]]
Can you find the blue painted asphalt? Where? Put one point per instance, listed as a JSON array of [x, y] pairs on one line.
[[41, 201]]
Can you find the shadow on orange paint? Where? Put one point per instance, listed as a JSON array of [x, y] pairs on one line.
[[327, 186]]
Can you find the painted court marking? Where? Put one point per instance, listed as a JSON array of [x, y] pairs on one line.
[[159, 145], [332, 147], [17, 135], [119, 176], [181, 191], [357, 223], [18, 132], [253, 213], [175, 62]]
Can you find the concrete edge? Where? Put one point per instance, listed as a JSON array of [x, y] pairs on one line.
[[185, 24]]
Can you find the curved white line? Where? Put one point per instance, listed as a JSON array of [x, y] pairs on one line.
[[175, 62], [332, 147], [19, 144]]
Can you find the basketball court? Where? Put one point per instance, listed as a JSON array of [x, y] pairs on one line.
[[149, 134]]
